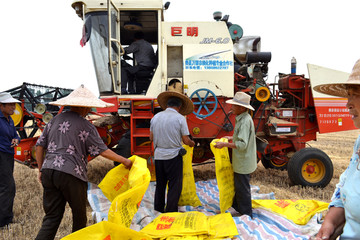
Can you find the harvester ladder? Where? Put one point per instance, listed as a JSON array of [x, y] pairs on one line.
[[142, 110]]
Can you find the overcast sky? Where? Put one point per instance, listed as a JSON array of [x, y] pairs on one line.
[[40, 39]]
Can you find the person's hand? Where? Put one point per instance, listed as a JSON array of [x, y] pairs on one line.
[[325, 232], [127, 163], [39, 176], [229, 138], [220, 145], [14, 142], [127, 57]]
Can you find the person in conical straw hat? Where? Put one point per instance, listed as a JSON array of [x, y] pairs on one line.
[[243, 145], [67, 140], [82, 97], [168, 129], [9, 139], [343, 207]]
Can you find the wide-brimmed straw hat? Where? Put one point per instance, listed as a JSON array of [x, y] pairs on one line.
[[6, 97], [187, 105], [82, 97], [241, 99], [339, 89]]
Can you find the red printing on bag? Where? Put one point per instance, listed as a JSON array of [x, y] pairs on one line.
[[121, 182]]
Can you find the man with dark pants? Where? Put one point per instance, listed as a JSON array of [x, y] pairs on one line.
[[68, 139], [167, 173], [8, 140], [167, 129], [145, 59], [244, 160]]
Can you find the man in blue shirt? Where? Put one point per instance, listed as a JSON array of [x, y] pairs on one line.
[[8, 140], [344, 206]]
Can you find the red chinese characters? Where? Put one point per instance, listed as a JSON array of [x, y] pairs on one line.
[[282, 203], [166, 223], [121, 183], [190, 31], [176, 31]]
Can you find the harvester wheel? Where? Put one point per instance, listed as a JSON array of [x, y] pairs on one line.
[[275, 162], [203, 103], [310, 167]]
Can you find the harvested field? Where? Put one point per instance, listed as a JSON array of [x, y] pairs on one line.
[[28, 201]]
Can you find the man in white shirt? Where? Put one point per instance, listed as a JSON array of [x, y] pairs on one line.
[[168, 129]]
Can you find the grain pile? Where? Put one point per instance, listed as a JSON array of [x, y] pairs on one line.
[[28, 201]]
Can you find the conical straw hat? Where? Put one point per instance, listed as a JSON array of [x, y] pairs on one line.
[[82, 97], [339, 89], [187, 106]]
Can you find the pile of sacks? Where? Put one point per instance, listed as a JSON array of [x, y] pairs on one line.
[[125, 189]]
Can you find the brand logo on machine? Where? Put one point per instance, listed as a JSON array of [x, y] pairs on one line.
[[190, 31], [208, 61]]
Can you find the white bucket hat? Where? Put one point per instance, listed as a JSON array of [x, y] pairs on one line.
[[82, 97], [241, 99], [6, 97], [340, 89]]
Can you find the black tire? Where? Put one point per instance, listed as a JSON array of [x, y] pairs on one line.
[[310, 167], [268, 162]]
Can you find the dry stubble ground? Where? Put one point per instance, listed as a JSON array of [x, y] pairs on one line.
[[28, 201]]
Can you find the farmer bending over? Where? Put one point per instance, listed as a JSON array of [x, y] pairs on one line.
[[67, 140]]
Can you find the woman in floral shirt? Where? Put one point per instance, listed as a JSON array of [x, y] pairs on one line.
[[68, 140]]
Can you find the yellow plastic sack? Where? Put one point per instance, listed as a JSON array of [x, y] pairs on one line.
[[115, 182], [125, 205], [106, 231], [298, 211], [177, 224], [191, 226], [184, 238], [222, 226], [188, 195], [139, 171], [224, 175]]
